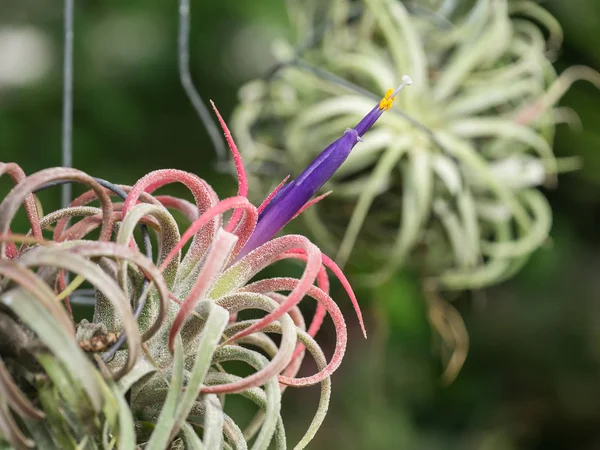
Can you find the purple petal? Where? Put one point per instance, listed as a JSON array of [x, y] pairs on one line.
[[369, 120], [292, 197]]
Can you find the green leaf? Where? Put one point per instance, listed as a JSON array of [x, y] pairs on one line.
[[127, 438], [215, 324], [62, 345], [162, 433], [71, 392], [213, 421], [192, 441], [55, 416]]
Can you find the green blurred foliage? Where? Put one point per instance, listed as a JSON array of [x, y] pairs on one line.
[[532, 376]]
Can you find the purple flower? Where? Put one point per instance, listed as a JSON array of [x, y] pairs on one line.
[[292, 197]]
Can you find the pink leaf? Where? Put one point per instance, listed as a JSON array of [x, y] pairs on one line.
[[328, 262], [239, 167], [84, 199], [244, 229], [216, 259], [203, 194], [280, 360], [175, 299], [88, 224], [207, 216], [23, 190], [62, 285], [16, 173], [309, 203], [11, 248], [264, 255], [266, 201], [280, 284], [183, 206], [323, 283]]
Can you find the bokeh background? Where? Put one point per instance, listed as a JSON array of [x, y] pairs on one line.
[[532, 376]]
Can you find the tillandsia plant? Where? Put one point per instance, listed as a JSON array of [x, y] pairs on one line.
[[153, 366], [448, 182]]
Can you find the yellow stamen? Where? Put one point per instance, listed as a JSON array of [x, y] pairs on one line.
[[386, 102]]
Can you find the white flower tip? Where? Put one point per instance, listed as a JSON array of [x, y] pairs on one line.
[[406, 81]]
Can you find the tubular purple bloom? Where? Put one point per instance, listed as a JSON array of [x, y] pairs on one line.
[[288, 201]]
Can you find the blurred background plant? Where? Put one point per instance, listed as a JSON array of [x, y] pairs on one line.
[[447, 184], [531, 379], [447, 187]]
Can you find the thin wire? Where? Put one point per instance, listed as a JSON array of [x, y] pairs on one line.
[[188, 85], [67, 125]]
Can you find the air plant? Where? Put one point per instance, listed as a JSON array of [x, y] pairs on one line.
[[448, 182], [151, 368]]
